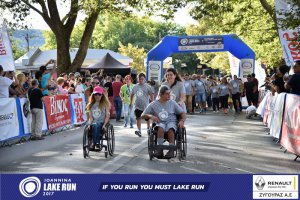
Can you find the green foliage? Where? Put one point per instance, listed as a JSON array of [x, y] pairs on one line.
[[17, 52], [137, 54], [250, 22], [50, 41]]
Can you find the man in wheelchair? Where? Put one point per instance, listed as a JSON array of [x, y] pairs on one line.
[[163, 112]]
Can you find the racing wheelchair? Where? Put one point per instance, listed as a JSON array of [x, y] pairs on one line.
[[108, 135], [180, 148]]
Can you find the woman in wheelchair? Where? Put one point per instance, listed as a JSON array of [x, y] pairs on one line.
[[98, 113], [163, 112]]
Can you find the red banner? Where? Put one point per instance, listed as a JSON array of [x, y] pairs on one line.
[[58, 111], [290, 136]]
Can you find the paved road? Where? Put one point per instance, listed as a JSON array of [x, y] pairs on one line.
[[216, 144]]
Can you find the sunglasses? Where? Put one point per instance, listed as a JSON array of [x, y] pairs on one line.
[[95, 83], [97, 94]]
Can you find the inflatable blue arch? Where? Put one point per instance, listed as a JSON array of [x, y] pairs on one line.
[[189, 44]]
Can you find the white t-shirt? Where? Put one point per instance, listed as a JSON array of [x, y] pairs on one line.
[[79, 89], [4, 84]]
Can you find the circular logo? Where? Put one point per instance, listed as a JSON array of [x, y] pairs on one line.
[[26, 108], [97, 113], [184, 41], [172, 96], [154, 67], [139, 93], [235, 85], [247, 65], [29, 187], [163, 115]]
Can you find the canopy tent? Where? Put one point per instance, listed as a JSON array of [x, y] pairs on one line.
[[110, 66]]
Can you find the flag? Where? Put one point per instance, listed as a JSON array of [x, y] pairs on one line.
[[288, 38], [6, 54]]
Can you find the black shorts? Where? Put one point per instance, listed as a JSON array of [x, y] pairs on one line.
[[138, 113]]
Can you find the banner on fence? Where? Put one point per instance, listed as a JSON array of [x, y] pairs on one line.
[[58, 111], [9, 124], [262, 105], [275, 125], [267, 110], [26, 115], [290, 136], [78, 108], [271, 110]]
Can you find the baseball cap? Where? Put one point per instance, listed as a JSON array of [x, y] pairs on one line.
[[98, 90]]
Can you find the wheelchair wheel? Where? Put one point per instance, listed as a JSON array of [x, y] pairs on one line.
[[181, 144], [184, 144], [86, 142], [110, 139], [150, 144]]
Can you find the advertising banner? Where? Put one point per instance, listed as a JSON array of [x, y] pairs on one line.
[[148, 186], [275, 125], [290, 135], [78, 108], [9, 124], [6, 54], [288, 38], [155, 71], [246, 67], [234, 64], [201, 43], [58, 111], [262, 106], [26, 115], [271, 110], [267, 110]]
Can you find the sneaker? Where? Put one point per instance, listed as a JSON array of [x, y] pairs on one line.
[[131, 126], [169, 154], [138, 133], [125, 125], [97, 146], [159, 153]]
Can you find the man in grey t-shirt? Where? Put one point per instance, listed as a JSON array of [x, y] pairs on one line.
[[163, 112], [142, 92]]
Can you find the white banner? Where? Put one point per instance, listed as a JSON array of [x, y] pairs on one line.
[[155, 71], [234, 64], [78, 105], [9, 124], [246, 67], [272, 111], [262, 106], [26, 115], [288, 38], [276, 122], [6, 54], [260, 73]]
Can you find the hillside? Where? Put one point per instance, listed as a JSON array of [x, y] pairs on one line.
[[36, 38]]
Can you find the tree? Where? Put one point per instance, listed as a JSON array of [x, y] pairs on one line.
[[137, 54], [255, 27]]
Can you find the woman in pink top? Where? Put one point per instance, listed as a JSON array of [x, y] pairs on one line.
[[60, 83]]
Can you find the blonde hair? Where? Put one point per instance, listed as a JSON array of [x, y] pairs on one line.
[[21, 78], [60, 80], [104, 103]]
